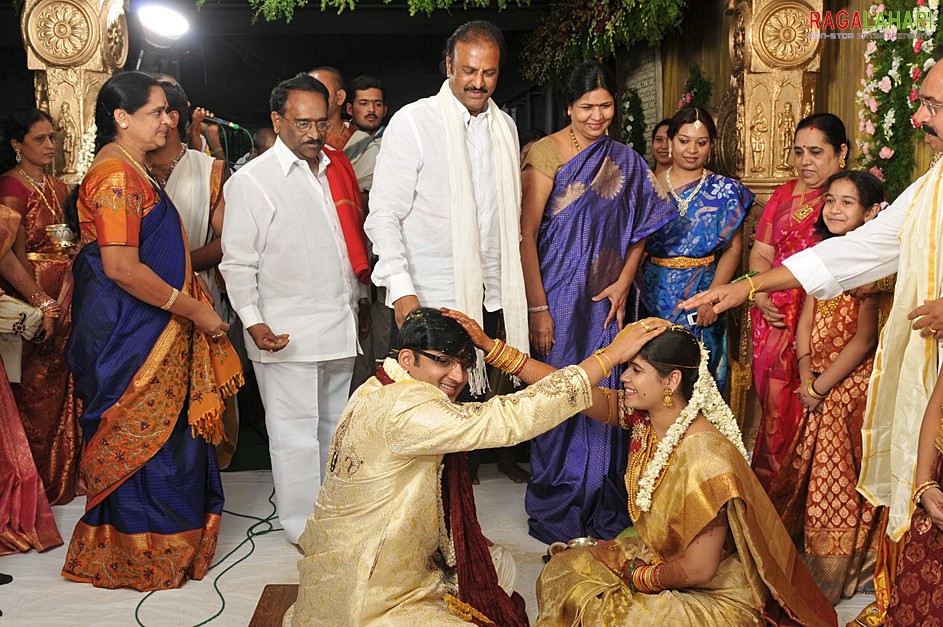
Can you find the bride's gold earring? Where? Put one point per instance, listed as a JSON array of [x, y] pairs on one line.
[[669, 151], [841, 162], [667, 402]]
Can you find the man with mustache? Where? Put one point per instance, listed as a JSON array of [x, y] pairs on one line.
[[904, 238], [367, 110], [445, 204], [295, 264]]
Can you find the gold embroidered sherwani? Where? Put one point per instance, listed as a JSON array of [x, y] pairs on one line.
[[370, 543]]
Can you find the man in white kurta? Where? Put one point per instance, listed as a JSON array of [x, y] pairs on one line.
[[290, 280], [445, 204]]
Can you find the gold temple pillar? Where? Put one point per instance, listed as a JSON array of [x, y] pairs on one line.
[[73, 46], [775, 59]]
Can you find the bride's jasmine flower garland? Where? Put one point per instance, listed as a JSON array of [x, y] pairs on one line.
[[706, 400]]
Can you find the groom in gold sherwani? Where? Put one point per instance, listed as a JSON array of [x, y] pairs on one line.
[[388, 530]]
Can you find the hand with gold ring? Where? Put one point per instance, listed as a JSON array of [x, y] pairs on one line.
[[644, 326], [928, 318]]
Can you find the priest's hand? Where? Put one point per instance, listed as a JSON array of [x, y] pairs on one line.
[[402, 307], [265, 339], [928, 318], [478, 337]]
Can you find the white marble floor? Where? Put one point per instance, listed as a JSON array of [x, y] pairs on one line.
[[40, 597]]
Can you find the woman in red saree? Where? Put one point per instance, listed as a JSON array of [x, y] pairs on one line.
[[26, 520], [151, 363], [44, 395], [786, 227]]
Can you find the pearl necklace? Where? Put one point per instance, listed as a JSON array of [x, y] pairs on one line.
[[682, 202]]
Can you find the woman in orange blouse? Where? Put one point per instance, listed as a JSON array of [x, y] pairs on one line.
[[151, 363]]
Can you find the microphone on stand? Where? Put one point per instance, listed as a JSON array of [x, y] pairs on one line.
[[222, 122]]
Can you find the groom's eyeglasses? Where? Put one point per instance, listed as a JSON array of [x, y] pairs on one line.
[[445, 361]]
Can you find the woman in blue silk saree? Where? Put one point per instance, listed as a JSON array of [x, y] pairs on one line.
[[589, 203], [703, 246]]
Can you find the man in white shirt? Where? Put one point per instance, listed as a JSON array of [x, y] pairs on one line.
[[291, 279], [904, 238], [445, 204]]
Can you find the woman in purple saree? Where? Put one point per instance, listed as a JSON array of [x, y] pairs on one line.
[[588, 205]]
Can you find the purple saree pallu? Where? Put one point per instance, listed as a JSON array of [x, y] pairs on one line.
[[603, 201]]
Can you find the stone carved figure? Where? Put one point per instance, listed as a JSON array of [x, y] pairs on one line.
[[786, 124], [759, 127], [69, 137]]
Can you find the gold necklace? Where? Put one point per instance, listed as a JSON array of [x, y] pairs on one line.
[[147, 175], [683, 203], [39, 188], [576, 144], [805, 209], [166, 170]]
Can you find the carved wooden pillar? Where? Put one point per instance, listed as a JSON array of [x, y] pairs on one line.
[[775, 57], [780, 69], [74, 46]]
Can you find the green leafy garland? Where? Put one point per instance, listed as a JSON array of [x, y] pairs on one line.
[[697, 89], [577, 30], [894, 67], [633, 120], [273, 10]]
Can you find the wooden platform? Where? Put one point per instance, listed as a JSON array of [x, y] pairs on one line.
[[275, 600]]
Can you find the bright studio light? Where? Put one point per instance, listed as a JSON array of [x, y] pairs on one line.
[[162, 26]]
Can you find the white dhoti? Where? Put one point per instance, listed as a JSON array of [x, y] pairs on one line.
[[303, 401]]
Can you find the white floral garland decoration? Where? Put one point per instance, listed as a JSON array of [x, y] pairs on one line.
[[87, 152], [707, 400]]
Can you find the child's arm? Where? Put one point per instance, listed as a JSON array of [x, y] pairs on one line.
[[804, 353], [864, 341]]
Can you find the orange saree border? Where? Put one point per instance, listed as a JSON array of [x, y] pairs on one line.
[[108, 558]]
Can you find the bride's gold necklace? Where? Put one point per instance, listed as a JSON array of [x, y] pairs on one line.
[[805, 209]]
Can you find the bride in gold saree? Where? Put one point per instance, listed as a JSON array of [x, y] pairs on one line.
[[707, 547]]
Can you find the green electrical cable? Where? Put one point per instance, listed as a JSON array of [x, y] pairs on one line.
[[251, 534]]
